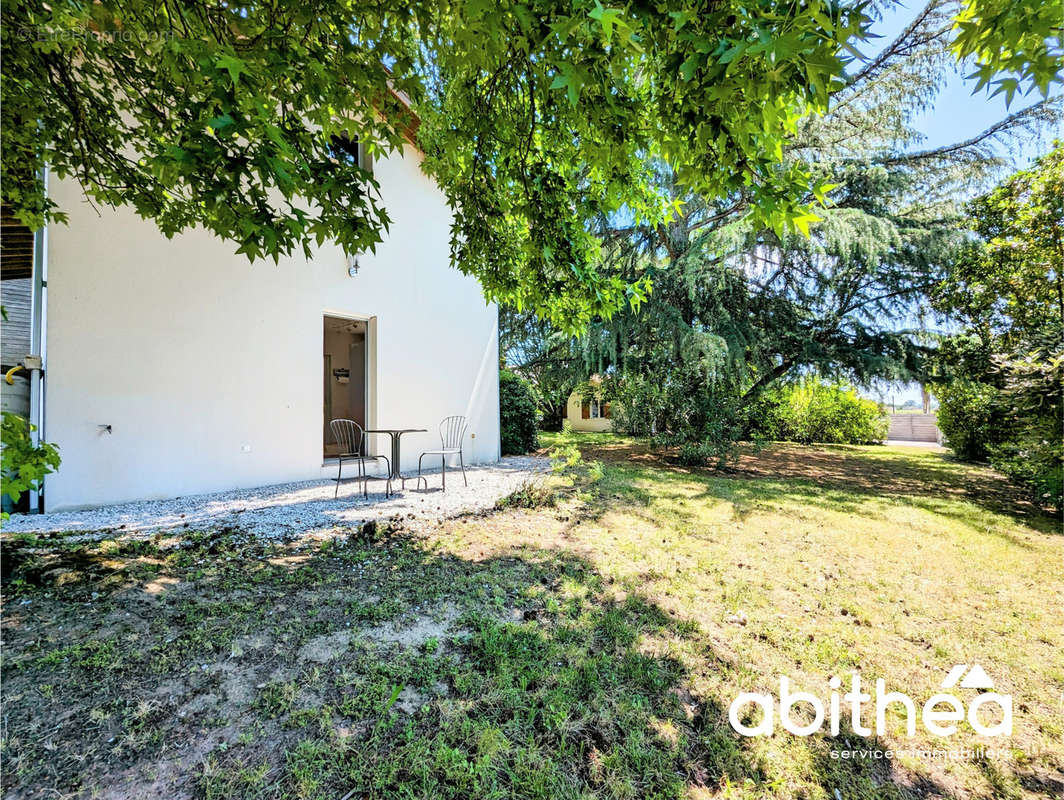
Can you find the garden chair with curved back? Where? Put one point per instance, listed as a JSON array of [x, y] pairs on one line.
[[452, 434], [352, 440]]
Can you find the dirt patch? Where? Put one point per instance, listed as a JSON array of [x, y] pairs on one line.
[[171, 689], [249, 643], [290, 561], [161, 585], [168, 776], [323, 649], [239, 689], [411, 700], [198, 704], [436, 624]]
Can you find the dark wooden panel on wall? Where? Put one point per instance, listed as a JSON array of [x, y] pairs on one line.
[[16, 247], [15, 297]]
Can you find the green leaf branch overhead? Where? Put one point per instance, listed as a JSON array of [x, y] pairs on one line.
[[558, 108], [536, 117], [204, 114], [1017, 45]]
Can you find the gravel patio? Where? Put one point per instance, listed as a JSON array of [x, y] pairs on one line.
[[289, 510]]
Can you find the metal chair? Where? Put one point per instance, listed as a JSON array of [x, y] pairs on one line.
[[350, 437], [452, 434]]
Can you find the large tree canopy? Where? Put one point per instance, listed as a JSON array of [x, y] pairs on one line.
[[536, 115], [548, 120], [1002, 381], [738, 305]]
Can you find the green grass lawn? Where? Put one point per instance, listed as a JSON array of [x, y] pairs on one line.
[[584, 641]]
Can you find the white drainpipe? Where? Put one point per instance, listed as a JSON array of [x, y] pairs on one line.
[[38, 342]]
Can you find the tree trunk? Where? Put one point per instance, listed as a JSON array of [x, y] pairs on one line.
[[763, 382], [553, 417]]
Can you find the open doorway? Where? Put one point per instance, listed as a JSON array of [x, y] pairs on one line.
[[344, 376]]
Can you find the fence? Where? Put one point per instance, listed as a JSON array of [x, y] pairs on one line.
[[914, 428]]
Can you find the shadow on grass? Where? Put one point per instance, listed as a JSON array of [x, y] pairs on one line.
[[830, 477], [228, 668]]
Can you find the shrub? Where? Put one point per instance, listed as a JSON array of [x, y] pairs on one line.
[[676, 409], [517, 414], [564, 457], [638, 403], [814, 411], [968, 417], [1018, 435], [699, 454], [717, 437], [1037, 465], [23, 465]]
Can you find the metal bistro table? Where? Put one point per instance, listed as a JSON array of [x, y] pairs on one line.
[[395, 434]]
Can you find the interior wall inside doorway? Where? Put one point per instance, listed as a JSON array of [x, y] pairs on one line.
[[344, 374]]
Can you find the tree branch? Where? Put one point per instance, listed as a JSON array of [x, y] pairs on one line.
[[944, 152], [901, 44]]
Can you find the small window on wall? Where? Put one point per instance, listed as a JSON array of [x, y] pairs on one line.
[[593, 409], [350, 150]]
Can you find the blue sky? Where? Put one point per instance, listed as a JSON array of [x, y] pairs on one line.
[[957, 113]]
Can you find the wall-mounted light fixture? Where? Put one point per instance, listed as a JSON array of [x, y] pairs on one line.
[[352, 265]]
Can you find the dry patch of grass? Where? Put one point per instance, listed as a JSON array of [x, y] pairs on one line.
[[579, 642]]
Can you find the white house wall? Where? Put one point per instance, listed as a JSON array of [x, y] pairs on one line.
[[209, 368]]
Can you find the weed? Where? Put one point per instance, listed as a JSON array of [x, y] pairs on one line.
[[530, 494], [276, 699], [91, 655]]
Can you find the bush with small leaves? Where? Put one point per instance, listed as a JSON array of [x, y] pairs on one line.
[[517, 414]]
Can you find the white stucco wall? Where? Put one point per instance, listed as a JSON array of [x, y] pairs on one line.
[[573, 414], [209, 368]]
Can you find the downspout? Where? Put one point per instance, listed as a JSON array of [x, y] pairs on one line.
[[38, 343]]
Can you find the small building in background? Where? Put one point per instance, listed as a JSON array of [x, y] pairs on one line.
[[588, 413]]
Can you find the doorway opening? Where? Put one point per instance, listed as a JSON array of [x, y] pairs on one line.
[[344, 372]]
